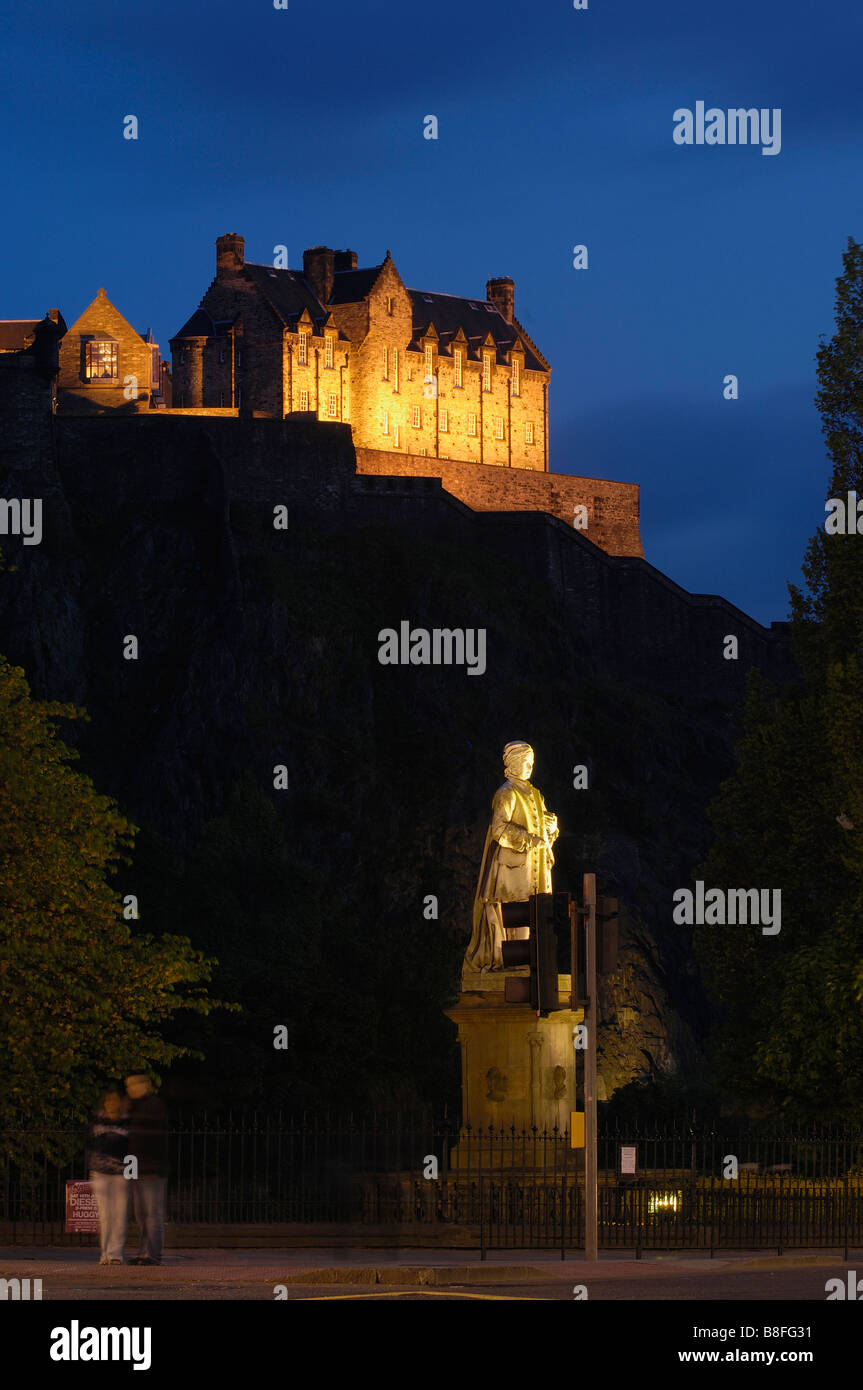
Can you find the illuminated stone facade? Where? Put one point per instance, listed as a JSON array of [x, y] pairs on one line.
[[412, 372], [105, 365]]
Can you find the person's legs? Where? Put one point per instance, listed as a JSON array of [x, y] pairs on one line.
[[98, 1182], [112, 1199], [149, 1197], [118, 1202]]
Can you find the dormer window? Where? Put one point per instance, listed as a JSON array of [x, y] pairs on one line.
[[303, 351], [429, 361], [100, 360], [486, 371], [457, 360], [328, 351], [516, 377]]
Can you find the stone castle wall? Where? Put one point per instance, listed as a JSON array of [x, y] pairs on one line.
[[630, 618], [612, 508]]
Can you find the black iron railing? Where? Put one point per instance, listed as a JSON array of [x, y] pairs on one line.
[[694, 1187]]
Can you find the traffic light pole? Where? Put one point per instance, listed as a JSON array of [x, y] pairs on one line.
[[591, 1013]]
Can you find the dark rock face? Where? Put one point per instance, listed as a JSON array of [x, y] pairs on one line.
[[258, 647]]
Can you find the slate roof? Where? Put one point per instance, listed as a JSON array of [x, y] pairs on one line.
[[16, 334], [350, 286], [476, 317], [200, 325], [288, 293]]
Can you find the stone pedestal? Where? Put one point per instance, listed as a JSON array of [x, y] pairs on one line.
[[517, 1070]]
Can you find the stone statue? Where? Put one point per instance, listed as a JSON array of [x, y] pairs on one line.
[[517, 858]]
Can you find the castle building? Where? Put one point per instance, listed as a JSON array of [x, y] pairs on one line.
[[106, 365], [19, 335], [413, 372]]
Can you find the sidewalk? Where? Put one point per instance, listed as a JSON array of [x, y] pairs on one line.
[[68, 1272]]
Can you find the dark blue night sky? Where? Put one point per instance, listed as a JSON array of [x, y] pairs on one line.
[[305, 125]]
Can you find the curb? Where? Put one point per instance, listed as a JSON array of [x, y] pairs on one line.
[[415, 1275]]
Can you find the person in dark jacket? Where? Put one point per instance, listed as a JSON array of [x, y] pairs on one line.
[[148, 1143], [107, 1148]]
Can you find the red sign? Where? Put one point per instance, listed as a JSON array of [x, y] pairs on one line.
[[82, 1213]]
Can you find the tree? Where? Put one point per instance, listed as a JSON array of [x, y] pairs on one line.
[[84, 993], [790, 1034]]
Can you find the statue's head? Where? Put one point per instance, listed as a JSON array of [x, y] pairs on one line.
[[518, 760]]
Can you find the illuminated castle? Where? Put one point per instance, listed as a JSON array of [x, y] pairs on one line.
[[414, 372]]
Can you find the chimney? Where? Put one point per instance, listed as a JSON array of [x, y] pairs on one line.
[[344, 260], [46, 345], [230, 255], [501, 292], [318, 267]]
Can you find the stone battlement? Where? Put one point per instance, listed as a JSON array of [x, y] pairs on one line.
[[612, 508]]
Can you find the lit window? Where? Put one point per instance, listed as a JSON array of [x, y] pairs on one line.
[[457, 367], [471, 424], [498, 427], [328, 352], [386, 422], [429, 361], [100, 360], [303, 355], [332, 404], [304, 400], [528, 431], [415, 417], [386, 364], [486, 371], [444, 420], [516, 377]]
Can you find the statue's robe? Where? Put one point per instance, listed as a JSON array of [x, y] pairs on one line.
[[512, 868]]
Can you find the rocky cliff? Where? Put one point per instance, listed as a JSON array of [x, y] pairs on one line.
[[258, 648]]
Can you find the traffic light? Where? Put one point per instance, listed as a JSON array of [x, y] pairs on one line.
[[539, 952], [606, 935], [606, 942]]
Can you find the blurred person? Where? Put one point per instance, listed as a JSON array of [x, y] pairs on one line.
[[148, 1140], [108, 1146]]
